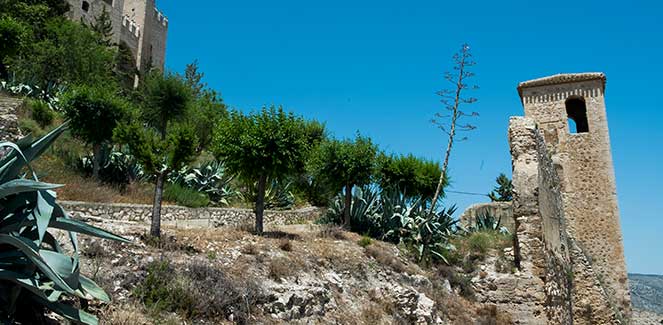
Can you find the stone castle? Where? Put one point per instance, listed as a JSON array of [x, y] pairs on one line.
[[138, 24], [567, 238]]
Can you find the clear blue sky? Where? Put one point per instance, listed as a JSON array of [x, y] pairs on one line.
[[374, 66]]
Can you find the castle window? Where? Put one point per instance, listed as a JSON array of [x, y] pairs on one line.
[[109, 2], [576, 110], [85, 6]]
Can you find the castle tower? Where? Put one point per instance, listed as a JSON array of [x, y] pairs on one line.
[[154, 29], [570, 111]]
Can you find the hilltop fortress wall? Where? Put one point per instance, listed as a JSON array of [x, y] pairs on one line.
[[136, 23]]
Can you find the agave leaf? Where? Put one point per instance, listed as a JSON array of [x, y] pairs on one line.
[[10, 166], [91, 288], [24, 185], [66, 266], [28, 283], [43, 212], [83, 228], [71, 313], [30, 250]]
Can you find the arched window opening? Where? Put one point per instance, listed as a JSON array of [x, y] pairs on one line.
[[576, 110], [85, 6]]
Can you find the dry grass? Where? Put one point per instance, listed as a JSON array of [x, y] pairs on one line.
[[280, 268], [332, 232], [385, 256], [52, 169], [250, 249], [285, 244], [125, 314]]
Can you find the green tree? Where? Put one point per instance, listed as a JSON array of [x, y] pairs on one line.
[[344, 164], [416, 177], [13, 34], [160, 137], [503, 192], [209, 109], [93, 113], [269, 144], [68, 53]]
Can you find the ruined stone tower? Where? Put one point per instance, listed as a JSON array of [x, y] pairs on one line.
[[569, 110]]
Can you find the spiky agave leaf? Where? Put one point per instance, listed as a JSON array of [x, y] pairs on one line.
[[33, 265]]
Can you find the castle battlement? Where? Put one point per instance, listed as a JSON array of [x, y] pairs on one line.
[[130, 26], [160, 17]]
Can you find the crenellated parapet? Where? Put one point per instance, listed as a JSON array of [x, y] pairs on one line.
[[130, 27]]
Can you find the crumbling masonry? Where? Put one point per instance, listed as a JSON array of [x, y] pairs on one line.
[[567, 239]]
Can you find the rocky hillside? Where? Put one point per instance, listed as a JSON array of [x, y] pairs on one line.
[[298, 274], [647, 292]]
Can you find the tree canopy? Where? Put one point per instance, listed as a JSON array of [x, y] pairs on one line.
[[270, 143]]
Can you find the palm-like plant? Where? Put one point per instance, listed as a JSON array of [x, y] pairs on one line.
[[35, 271]]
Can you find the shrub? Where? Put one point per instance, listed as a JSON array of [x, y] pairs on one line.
[[365, 241], [41, 113], [185, 196], [219, 295], [163, 290]]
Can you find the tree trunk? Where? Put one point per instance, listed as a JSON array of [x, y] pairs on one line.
[[260, 204], [348, 205], [96, 160], [155, 229]]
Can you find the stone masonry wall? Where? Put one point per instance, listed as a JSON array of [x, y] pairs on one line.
[[573, 290], [216, 217], [584, 165]]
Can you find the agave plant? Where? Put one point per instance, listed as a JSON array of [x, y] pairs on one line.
[[117, 166], [365, 211], [277, 194], [35, 271], [50, 94], [487, 222], [210, 178], [426, 233]]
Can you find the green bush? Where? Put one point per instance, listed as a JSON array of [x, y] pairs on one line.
[[202, 292], [365, 241], [41, 113], [162, 290], [185, 196]]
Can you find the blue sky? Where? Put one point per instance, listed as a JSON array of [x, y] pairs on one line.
[[374, 66]]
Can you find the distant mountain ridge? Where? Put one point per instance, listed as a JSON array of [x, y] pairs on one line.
[[647, 292]]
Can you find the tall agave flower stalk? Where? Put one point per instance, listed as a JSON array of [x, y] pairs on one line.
[[36, 274]]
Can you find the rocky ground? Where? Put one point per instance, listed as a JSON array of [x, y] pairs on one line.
[[299, 274]]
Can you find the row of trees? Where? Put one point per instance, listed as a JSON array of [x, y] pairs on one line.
[[171, 118]]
